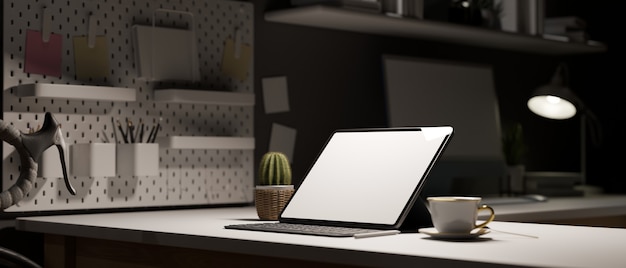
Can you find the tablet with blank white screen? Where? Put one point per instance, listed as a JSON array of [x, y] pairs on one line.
[[367, 177], [363, 178]]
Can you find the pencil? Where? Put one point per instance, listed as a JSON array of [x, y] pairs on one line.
[[151, 133], [131, 130], [119, 126], [141, 127], [156, 130], [114, 131], [105, 139]]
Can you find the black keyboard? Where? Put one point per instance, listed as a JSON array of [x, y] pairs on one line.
[[305, 229]]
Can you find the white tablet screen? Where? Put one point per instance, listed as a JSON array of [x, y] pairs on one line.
[[367, 176]]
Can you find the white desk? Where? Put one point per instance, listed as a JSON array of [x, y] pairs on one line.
[[162, 238]]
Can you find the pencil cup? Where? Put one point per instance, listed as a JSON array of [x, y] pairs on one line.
[[93, 159], [138, 159]]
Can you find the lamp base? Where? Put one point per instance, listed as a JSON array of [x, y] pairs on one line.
[[588, 190]]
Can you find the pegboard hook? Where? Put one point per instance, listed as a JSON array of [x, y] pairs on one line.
[[91, 34], [46, 25], [238, 41]]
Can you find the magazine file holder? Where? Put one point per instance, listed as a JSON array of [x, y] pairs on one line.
[[165, 53]]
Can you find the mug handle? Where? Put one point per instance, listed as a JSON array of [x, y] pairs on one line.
[[491, 217]]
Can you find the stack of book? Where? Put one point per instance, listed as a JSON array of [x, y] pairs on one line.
[[361, 5], [569, 29]]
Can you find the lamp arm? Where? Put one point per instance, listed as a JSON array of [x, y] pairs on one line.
[[561, 76], [594, 127]]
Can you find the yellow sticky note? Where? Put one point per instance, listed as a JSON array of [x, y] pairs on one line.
[[233, 66], [91, 63]]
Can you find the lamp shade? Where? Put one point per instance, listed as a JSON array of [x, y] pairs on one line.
[[554, 100]]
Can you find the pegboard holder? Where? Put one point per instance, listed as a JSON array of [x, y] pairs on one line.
[[200, 175]]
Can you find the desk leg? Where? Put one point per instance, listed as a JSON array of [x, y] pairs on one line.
[[59, 251]]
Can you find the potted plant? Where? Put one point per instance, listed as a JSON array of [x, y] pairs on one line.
[[275, 187], [514, 149]]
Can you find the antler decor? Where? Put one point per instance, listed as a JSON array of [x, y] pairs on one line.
[[30, 147]]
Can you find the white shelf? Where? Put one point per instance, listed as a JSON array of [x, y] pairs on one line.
[[43, 90], [197, 142], [375, 23], [204, 96]]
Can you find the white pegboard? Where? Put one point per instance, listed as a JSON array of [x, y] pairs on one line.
[[186, 177]]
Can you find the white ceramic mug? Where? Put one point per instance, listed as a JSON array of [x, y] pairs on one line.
[[457, 214]]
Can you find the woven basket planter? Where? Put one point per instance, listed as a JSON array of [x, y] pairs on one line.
[[271, 199]]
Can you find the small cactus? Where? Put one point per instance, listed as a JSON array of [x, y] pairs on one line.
[[274, 169]]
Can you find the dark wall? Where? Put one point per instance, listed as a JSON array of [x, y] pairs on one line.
[[335, 81]]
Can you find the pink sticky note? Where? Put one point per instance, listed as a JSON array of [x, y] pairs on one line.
[[43, 57]]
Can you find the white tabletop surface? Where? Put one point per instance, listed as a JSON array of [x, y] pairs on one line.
[[554, 245]]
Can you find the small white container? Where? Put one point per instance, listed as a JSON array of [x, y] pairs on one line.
[[93, 159], [138, 159]]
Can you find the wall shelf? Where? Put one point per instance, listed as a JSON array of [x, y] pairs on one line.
[[204, 96], [376, 23], [198, 142], [45, 90]]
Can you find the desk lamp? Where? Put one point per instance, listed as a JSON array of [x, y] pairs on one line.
[[556, 101]]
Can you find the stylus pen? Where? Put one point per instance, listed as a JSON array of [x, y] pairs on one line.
[[374, 234]]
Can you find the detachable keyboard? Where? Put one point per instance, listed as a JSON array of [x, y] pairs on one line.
[[305, 229]]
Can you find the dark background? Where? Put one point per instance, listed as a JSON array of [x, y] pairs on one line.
[[335, 80]]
